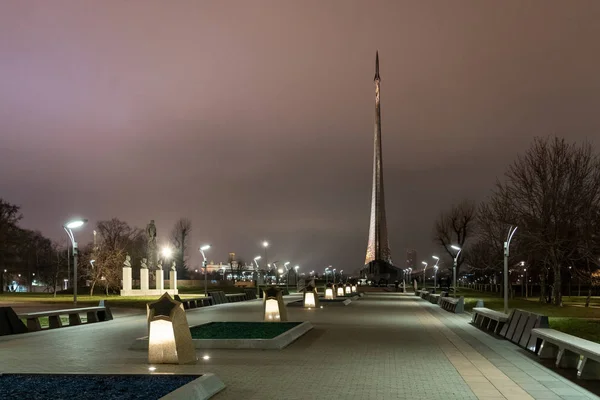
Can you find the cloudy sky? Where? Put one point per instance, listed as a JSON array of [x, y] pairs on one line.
[[254, 118]]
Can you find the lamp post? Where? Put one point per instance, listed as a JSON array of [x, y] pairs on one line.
[[266, 245], [287, 275], [296, 268], [454, 269], [205, 265], [435, 268], [509, 236], [68, 227], [424, 277], [334, 276], [327, 276], [257, 286], [525, 270]]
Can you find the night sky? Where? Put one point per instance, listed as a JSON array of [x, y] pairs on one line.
[[255, 118]]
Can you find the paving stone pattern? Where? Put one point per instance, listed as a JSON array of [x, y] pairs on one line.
[[383, 346]]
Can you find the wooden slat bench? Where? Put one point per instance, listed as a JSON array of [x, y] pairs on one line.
[[94, 314], [488, 319], [235, 297], [452, 304], [195, 302], [250, 294], [570, 352]]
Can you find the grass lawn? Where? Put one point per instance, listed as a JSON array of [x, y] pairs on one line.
[[241, 330], [572, 318]]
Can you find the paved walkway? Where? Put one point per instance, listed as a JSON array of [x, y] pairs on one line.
[[383, 346]]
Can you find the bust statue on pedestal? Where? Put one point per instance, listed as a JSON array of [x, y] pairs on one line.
[[143, 264], [127, 262]]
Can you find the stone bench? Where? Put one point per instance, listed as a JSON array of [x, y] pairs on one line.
[[418, 292], [519, 326], [570, 352], [195, 302], [489, 319], [235, 297], [434, 298], [424, 294], [452, 304], [94, 314]]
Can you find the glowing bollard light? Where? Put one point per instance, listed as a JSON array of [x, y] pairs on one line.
[[311, 298], [169, 337], [273, 305], [348, 289], [329, 291], [353, 289], [329, 294]]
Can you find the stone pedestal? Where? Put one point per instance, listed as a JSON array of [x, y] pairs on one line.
[[173, 280], [144, 279], [127, 279], [169, 337], [160, 280]]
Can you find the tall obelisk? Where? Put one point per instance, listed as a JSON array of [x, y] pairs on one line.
[[378, 249]]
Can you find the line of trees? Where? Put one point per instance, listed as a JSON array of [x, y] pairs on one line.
[[27, 255], [552, 194]]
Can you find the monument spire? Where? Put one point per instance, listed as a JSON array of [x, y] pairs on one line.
[[378, 248]]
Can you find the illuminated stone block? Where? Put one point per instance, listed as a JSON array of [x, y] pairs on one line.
[[274, 307], [347, 289], [169, 337], [310, 298], [340, 291], [353, 289]]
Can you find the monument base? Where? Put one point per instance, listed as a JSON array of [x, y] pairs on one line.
[[148, 292], [382, 272]]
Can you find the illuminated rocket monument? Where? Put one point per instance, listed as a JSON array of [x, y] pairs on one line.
[[378, 263]]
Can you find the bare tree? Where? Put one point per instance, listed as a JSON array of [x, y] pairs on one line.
[[455, 227], [117, 239], [549, 192], [180, 236]]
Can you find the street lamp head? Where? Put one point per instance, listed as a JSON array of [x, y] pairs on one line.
[[75, 223], [296, 267], [280, 271], [435, 257], [265, 244], [257, 258], [167, 252], [205, 247], [455, 247], [424, 263], [286, 264]]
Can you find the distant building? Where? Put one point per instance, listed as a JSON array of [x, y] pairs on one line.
[[411, 258]]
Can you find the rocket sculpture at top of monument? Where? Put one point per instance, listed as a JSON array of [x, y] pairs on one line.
[[378, 249]]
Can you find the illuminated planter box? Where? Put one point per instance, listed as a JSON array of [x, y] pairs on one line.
[[274, 307], [169, 337]]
